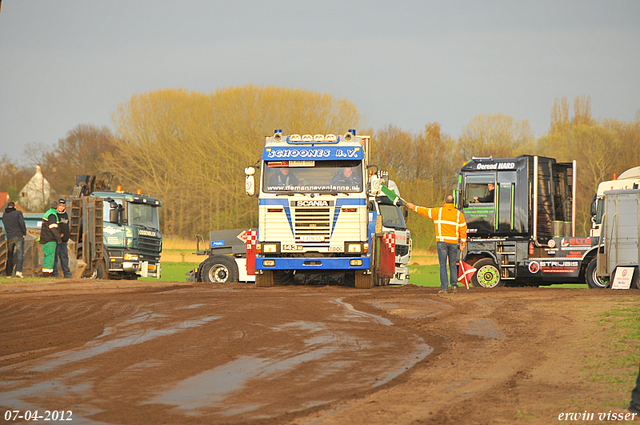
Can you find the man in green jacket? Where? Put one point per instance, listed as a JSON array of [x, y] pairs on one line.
[[49, 238]]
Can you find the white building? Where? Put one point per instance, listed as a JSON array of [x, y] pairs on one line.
[[36, 195]]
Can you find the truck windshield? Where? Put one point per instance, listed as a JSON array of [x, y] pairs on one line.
[[144, 215], [599, 210], [312, 176], [392, 216]]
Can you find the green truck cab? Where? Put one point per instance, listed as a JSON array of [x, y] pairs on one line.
[[117, 233]]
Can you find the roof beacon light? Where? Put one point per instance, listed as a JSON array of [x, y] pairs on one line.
[[119, 189], [138, 192], [352, 131], [277, 135]]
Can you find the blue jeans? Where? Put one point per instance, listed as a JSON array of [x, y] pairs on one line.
[[62, 256], [453, 252], [16, 244]]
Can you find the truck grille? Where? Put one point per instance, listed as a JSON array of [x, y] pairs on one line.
[[402, 250], [149, 247], [312, 226]]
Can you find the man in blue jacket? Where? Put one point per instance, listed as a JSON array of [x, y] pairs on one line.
[[16, 231]]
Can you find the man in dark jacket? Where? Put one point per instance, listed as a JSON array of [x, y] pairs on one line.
[[62, 251], [49, 238], [16, 231]]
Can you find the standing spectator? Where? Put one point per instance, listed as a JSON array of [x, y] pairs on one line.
[[16, 231], [634, 406], [49, 238], [451, 236], [62, 251]]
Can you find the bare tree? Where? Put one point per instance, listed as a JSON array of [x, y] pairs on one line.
[[190, 149]]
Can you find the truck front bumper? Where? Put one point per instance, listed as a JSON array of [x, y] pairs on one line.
[[141, 268], [314, 263], [401, 276]]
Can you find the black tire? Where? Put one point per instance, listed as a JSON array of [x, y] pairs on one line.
[[219, 269], [364, 281], [102, 271], [283, 277], [3, 253], [593, 280], [264, 280], [487, 274]]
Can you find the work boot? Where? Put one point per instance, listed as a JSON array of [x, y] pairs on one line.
[[18, 274], [442, 291], [454, 289]]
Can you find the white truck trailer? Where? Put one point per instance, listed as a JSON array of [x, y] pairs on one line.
[[630, 179], [619, 246]]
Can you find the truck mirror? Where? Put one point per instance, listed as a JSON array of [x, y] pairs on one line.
[[250, 185], [250, 181], [374, 185], [114, 215], [593, 208]]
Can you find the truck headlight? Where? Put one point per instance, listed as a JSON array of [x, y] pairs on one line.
[[130, 257], [269, 263], [269, 248], [353, 248], [355, 262]]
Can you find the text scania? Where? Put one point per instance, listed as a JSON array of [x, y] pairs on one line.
[[312, 204], [497, 166]]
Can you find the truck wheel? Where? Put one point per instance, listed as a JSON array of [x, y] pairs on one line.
[[364, 281], [102, 271], [283, 277], [264, 280], [219, 269], [487, 274], [593, 280]]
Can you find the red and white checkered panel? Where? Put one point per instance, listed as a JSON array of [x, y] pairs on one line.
[[251, 238], [389, 240]]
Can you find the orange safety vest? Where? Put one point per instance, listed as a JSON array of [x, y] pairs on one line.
[[449, 222]]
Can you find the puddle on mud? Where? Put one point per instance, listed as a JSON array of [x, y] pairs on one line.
[[485, 328], [350, 308], [329, 350], [40, 394], [225, 388], [100, 346], [415, 309]]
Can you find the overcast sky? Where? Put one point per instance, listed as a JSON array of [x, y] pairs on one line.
[[406, 63]]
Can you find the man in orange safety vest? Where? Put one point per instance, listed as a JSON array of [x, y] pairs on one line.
[[451, 237]]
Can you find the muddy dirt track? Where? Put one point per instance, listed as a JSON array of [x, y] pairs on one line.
[[180, 353]]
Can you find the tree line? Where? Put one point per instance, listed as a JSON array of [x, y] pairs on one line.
[[190, 149]]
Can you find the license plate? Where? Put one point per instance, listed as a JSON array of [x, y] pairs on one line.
[[288, 247], [312, 238]]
